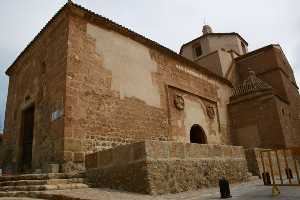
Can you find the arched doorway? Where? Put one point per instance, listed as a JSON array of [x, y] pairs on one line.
[[197, 135]]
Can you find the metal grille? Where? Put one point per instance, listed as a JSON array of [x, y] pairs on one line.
[[281, 166]]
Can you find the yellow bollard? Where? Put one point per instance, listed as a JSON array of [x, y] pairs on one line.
[[275, 191]]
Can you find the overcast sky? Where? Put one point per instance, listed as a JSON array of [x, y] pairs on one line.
[[168, 22]]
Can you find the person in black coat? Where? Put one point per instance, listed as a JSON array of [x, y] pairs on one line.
[[224, 188]]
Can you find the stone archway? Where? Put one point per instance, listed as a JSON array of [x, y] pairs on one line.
[[197, 135]]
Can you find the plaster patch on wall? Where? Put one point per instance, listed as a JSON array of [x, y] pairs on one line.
[[194, 114], [130, 63]]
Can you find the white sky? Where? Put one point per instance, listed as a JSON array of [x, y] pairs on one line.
[[168, 22]]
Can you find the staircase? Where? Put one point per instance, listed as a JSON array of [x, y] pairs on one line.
[[12, 185]]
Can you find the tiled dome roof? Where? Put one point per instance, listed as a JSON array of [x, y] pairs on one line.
[[251, 85]]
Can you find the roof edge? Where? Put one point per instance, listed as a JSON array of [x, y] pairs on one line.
[[212, 34], [256, 51], [65, 6], [94, 17]]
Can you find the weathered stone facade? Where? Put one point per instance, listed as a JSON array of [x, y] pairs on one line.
[[37, 78], [90, 84], [106, 106], [166, 167], [280, 105]]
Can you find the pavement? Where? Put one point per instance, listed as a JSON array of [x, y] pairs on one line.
[[246, 191], [259, 192], [16, 198]]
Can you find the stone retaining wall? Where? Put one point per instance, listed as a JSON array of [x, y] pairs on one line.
[[165, 167]]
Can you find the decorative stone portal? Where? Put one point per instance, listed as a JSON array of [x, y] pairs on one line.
[[197, 135], [26, 139]]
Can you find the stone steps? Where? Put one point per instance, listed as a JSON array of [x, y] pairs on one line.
[[44, 187], [37, 195], [41, 182], [40, 176]]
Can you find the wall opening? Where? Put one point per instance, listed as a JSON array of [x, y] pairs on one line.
[[198, 51], [197, 135], [26, 139]]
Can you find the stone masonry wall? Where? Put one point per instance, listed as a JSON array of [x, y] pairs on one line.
[[271, 65], [248, 125], [165, 167], [38, 78], [118, 92]]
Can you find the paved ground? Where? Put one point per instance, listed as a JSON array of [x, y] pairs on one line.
[[246, 191], [259, 192], [15, 198]]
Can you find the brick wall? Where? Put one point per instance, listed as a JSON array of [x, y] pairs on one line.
[[271, 65], [249, 126]]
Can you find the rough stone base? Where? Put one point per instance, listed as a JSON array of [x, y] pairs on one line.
[[183, 175], [132, 177], [165, 167]]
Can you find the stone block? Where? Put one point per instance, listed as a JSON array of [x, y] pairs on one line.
[[157, 150], [68, 156], [104, 158], [91, 161], [195, 151], [53, 168], [227, 150], [79, 157], [122, 154], [238, 152], [72, 145], [139, 151], [215, 151], [38, 171], [177, 150]]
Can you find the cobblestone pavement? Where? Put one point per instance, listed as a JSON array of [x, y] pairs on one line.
[[245, 191]]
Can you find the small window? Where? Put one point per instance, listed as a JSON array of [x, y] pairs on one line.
[[198, 51], [43, 68]]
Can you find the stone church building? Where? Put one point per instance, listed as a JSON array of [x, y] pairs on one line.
[[86, 84]]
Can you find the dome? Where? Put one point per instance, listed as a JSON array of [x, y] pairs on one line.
[[251, 85]]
